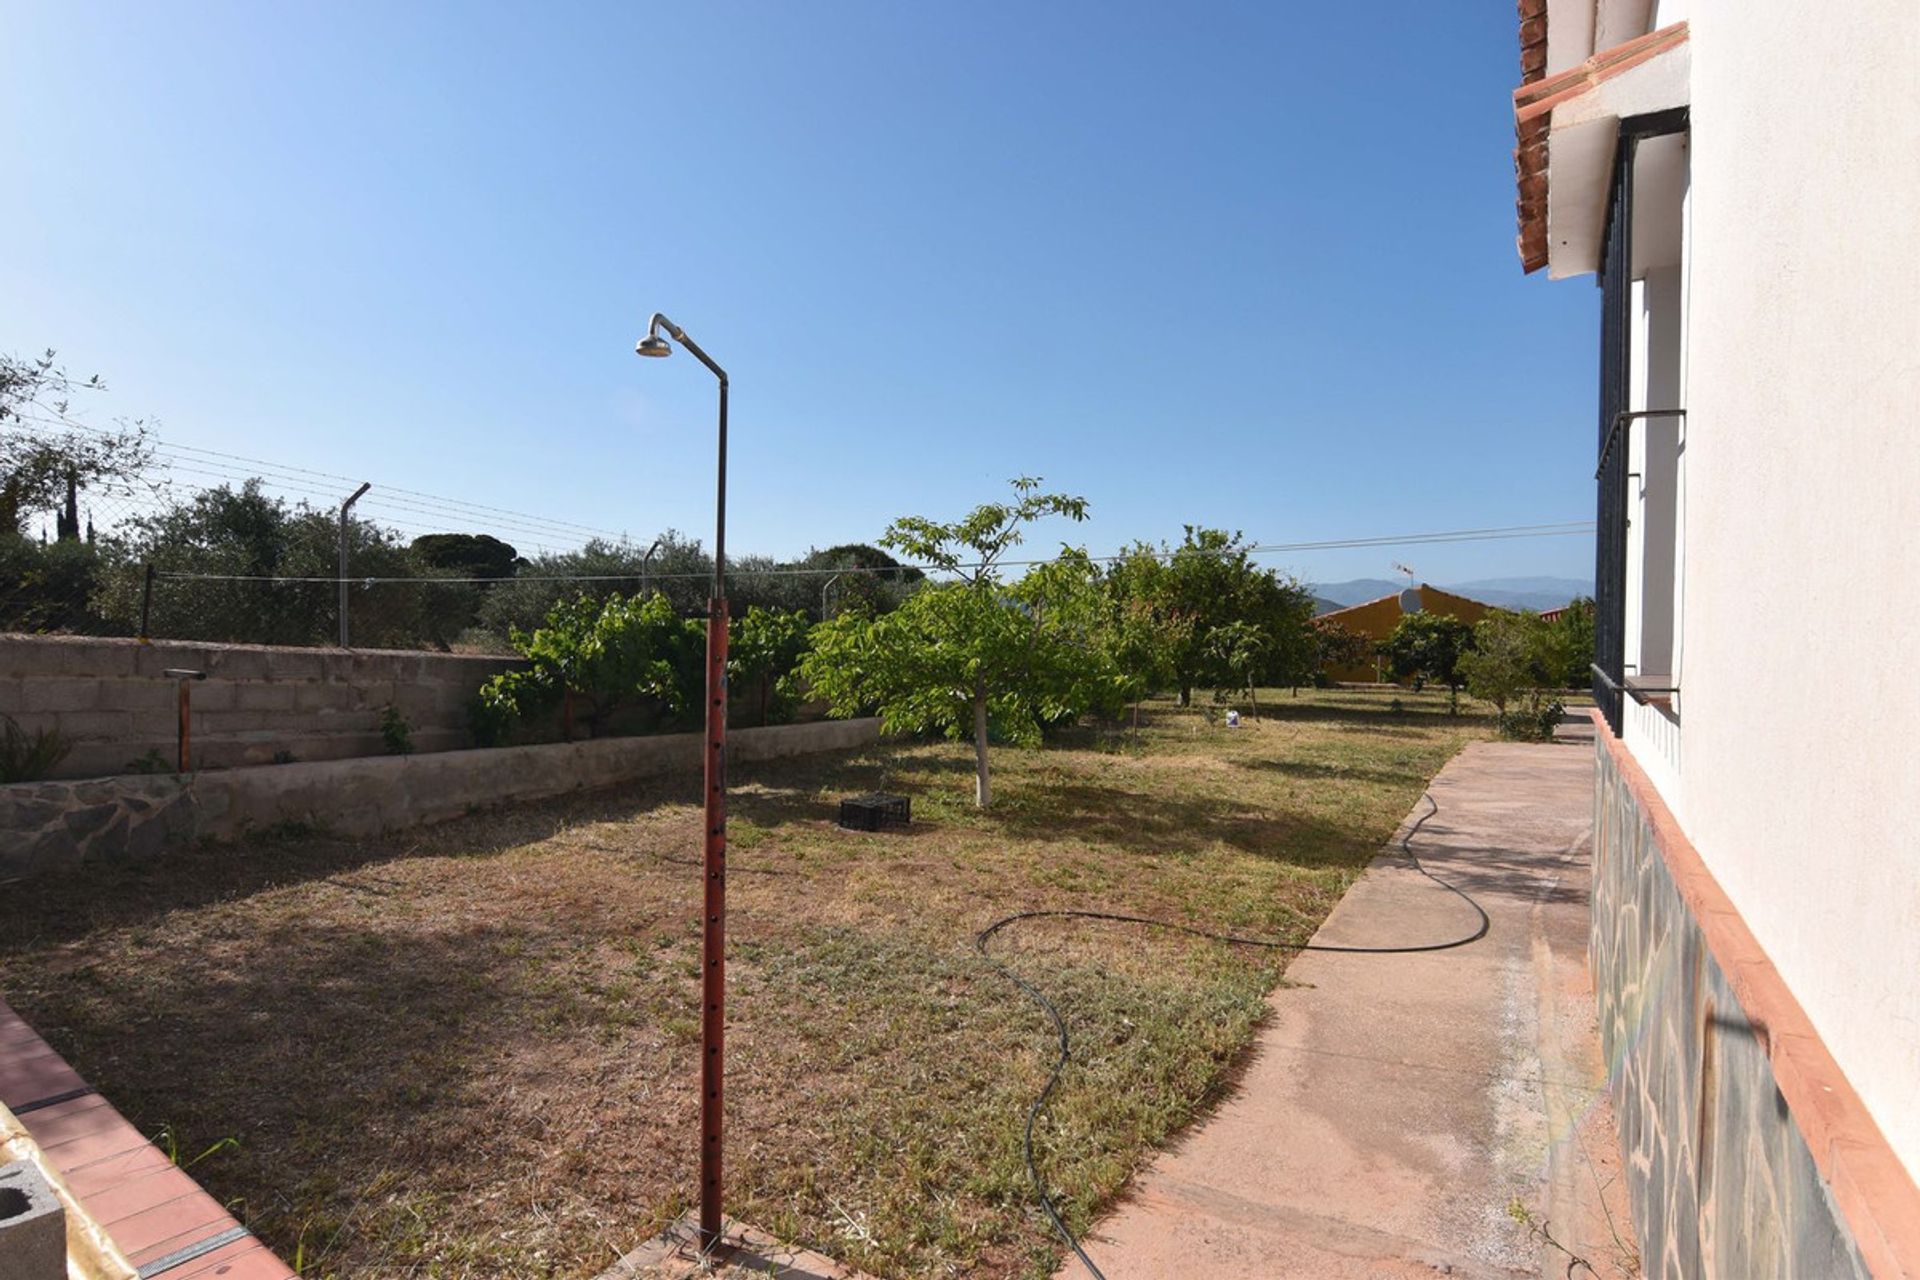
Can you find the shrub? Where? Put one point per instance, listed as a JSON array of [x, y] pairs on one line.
[[763, 651], [396, 732], [610, 654], [1532, 718], [1511, 654], [29, 757]]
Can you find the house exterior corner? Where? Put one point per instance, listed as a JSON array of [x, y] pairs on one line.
[[1743, 187]]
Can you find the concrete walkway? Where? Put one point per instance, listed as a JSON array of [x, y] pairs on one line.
[[1395, 1107]]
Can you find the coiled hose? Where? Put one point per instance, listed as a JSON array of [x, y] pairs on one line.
[[1039, 1106]]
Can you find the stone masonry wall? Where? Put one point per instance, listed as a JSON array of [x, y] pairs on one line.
[[48, 826], [1723, 1185], [110, 698]]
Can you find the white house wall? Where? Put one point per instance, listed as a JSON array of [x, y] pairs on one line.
[[1801, 603]]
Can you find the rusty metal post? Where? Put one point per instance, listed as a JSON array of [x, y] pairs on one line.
[[186, 679], [713, 949], [713, 946]]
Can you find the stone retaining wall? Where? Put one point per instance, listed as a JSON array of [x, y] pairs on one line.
[[110, 698], [1722, 1181], [46, 826]]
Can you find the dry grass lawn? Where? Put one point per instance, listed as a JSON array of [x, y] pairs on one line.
[[471, 1050]]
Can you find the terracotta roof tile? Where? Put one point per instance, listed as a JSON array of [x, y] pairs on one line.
[[1539, 94]]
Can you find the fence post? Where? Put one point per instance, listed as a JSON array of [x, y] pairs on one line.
[[344, 508], [146, 606]]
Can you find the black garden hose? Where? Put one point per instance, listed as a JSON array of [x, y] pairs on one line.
[[1060, 1023]]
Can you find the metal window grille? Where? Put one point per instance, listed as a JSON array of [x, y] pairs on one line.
[[1610, 535]]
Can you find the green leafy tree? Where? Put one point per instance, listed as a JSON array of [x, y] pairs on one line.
[[1511, 653], [45, 456], [1427, 647], [1514, 664], [854, 575], [1144, 628], [1210, 581], [1570, 637], [606, 655], [763, 650], [1246, 651], [468, 555], [1339, 645], [967, 657], [270, 567]]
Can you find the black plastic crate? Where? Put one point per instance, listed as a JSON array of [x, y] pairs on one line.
[[876, 811]]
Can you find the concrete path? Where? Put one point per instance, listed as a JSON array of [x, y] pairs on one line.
[[1395, 1107]]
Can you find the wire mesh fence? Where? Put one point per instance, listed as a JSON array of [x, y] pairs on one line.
[[180, 542], [239, 564]]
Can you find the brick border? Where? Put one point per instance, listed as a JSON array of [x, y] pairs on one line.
[[129, 1192], [1877, 1197]]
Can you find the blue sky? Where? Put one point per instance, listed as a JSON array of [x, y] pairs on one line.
[[1248, 265]]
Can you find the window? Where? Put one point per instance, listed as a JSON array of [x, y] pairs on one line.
[[1639, 566]]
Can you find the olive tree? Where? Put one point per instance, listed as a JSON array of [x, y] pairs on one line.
[[45, 455]]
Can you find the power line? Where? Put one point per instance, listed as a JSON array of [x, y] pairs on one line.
[[287, 475]]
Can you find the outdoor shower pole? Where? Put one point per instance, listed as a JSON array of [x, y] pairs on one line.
[[344, 508], [713, 948]]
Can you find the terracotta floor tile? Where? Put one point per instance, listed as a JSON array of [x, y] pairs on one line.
[[90, 1180], [246, 1259], [157, 1231], [63, 1121], [29, 1079], [138, 1192], [109, 1140]]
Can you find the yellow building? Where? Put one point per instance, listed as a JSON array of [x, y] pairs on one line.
[[1375, 619]]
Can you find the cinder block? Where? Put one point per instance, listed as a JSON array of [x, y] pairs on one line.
[[263, 695], [112, 659], [324, 695], [94, 724], [33, 1225], [212, 695], [237, 664], [296, 664], [153, 660], [63, 693], [140, 695], [213, 723]]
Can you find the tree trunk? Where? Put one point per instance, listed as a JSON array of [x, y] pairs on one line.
[[1186, 695], [1253, 696], [982, 788]]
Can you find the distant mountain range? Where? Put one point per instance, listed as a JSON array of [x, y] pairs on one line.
[[1508, 593]]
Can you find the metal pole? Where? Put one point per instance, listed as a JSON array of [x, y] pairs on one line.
[[823, 595], [713, 945], [185, 735], [344, 508], [645, 562], [714, 1013], [146, 605]]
